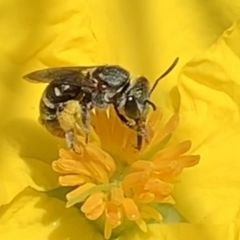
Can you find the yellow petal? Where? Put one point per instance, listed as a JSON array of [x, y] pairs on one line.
[[71, 180], [93, 202], [142, 224], [97, 156], [210, 103], [117, 195], [113, 214], [146, 197], [151, 213], [183, 231], [80, 191], [165, 131], [151, 22], [173, 151], [35, 214], [97, 212], [69, 166], [17, 173], [107, 230], [131, 209], [209, 89], [157, 186], [22, 138], [209, 193]]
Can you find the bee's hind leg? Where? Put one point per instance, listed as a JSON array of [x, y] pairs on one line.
[[67, 120], [69, 137], [85, 118]]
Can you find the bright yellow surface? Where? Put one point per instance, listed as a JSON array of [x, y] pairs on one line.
[[144, 37]]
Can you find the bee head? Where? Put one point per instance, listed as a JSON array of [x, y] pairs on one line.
[[133, 101]]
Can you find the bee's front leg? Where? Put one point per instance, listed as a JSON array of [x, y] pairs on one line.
[[123, 119], [137, 125], [141, 130]]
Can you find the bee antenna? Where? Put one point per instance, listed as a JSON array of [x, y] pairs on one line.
[[164, 75]]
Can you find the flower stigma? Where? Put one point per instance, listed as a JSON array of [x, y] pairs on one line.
[[114, 182]]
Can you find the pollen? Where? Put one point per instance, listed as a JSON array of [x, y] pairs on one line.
[[116, 184]]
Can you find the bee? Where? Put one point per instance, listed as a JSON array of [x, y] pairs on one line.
[[72, 92]]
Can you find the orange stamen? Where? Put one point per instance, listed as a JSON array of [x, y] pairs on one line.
[[80, 190], [113, 214], [114, 181], [131, 209]]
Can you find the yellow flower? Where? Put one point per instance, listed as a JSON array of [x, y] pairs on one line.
[[121, 183], [144, 38]]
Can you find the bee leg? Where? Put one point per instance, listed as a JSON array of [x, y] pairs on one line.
[[69, 136], [140, 128], [66, 114], [120, 116], [85, 117], [151, 104], [139, 131], [123, 119], [139, 141]]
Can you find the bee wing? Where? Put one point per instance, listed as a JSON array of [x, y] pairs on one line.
[[60, 73]]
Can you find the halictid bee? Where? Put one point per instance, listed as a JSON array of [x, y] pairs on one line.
[[72, 92]]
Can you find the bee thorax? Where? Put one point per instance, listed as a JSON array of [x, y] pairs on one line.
[[98, 100]]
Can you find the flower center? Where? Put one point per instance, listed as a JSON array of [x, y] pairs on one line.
[[114, 181]]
